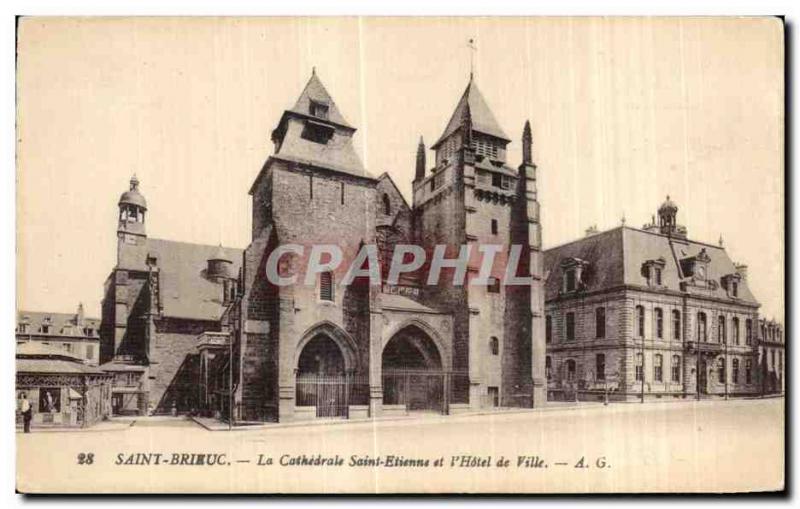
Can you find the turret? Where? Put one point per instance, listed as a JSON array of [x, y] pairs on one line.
[[132, 208]]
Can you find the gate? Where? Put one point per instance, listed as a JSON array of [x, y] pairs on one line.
[[418, 390], [332, 395]]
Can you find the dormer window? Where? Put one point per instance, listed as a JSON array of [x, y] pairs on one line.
[[319, 110], [569, 280], [573, 270], [730, 283], [653, 271]]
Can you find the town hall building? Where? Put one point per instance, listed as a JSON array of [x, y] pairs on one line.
[[195, 328]]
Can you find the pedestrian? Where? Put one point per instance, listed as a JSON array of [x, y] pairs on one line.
[[27, 412]]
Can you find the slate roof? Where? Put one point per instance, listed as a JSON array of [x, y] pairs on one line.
[[34, 357], [483, 120], [338, 153], [316, 91], [615, 258], [184, 290], [61, 324]]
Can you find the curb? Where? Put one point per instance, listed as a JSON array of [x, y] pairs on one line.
[[91, 429]]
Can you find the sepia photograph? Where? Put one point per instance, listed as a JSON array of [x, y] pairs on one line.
[[400, 255]]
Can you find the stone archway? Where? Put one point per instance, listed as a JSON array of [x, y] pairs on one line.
[[413, 373], [325, 361]]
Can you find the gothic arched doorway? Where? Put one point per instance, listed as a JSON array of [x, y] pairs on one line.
[[322, 377], [412, 372]]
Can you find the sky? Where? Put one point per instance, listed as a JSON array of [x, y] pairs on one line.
[[623, 111]]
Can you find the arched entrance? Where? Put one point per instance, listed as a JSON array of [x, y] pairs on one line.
[[412, 372], [322, 377]]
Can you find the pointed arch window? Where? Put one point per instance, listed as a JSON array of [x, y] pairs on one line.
[[387, 205]]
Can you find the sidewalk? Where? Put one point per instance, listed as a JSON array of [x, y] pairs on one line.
[[212, 424], [110, 425]]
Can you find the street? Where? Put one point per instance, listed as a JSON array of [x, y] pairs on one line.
[[714, 446]]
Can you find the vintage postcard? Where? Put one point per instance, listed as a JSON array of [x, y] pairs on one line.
[[385, 255]]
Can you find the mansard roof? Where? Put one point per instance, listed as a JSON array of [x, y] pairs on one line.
[[483, 120], [615, 259], [61, 324]]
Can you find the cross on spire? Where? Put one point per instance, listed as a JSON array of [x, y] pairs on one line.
[[473, 48]]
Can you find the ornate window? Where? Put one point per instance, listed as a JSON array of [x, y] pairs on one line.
[[658, 367], [600, 322], [570, 370], [735, 330], [640, 321], [676, 368], [721, 332], [702, 329], [721, 370], [639, 367], [659, 323], [570, 326], [676, 324], [735, 371], [600, 366], [748, 331]]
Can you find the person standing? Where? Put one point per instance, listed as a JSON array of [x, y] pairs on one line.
[[27, 412]]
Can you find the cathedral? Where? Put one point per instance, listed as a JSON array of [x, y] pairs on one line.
[[190, 328]]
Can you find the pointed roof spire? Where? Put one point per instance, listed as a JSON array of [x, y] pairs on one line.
[[527, 143], [315, 91], [483, 120], [419, 174]]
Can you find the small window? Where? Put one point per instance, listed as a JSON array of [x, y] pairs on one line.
[[494, 226], [23, 328], [45, 329], [326, 286], [600, 322], [493, 285], [735, 289], [748, 331], [68, 347], [494, 346], [497, 180], [658, 276], [721, 370], [570, 326], [735, 371], [548, 329], [319, 110], [748, 371], [600, 366], [548, 367], [387, 205]]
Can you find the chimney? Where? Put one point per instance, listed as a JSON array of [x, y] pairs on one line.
[[592, 230], [741, 269]]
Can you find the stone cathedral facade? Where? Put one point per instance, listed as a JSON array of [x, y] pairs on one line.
[[194, 328]]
